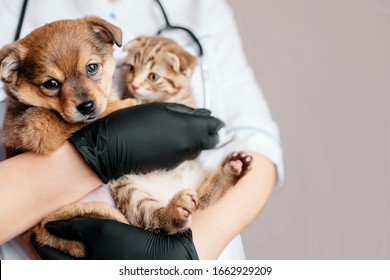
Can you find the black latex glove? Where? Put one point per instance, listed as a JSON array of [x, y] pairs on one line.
[[111, 240], [144, 138]]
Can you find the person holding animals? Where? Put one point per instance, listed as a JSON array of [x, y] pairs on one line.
[[245, 115]]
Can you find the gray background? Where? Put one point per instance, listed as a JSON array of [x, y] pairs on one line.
[[324, 67]]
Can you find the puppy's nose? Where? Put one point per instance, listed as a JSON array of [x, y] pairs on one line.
[[86, 108]]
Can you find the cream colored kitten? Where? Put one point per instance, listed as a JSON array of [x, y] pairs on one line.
[[157, 69]]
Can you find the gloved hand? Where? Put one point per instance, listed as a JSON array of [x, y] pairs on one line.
[[144, 138], [111, 240]]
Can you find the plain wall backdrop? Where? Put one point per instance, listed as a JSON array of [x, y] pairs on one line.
[[324, 67]]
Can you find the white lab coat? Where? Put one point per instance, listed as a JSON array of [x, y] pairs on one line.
[[235, 95]]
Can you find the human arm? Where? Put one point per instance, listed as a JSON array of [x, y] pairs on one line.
[[42, 183], [221, 222]]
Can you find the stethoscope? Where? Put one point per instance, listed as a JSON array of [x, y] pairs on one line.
[[167, 27]]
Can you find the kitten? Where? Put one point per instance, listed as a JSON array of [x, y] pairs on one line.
[[157, 69]]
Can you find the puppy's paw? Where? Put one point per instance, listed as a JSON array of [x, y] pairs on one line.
[[238, 163]]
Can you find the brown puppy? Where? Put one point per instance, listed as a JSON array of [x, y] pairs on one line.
[[59, 78]]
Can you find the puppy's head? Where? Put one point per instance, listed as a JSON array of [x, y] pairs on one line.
[[65, 66]]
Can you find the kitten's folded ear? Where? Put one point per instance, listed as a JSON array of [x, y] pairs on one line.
[[182, 61]]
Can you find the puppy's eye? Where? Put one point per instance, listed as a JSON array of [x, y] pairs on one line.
[[153, 77], [92, 69], [52, 84]]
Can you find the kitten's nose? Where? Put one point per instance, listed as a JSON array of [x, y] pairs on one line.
[[135, 87], [86, 108]]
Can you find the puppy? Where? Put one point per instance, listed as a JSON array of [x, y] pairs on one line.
[[58, 79]]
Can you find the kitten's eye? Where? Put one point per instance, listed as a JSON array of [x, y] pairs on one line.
[[130, 68], [92, 69], [153, 77], [52, 84]]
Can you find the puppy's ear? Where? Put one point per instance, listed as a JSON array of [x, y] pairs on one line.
[[105, 31], [9, 62]]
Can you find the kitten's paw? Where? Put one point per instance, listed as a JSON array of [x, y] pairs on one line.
[[185, 203], [238, 163]]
